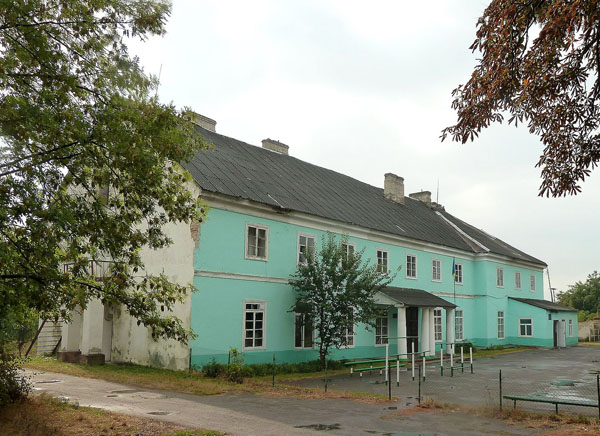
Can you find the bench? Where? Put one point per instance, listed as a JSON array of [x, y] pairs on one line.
[[372, 368], [549, 400]]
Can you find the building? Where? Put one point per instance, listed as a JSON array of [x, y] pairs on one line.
[[266, 207]]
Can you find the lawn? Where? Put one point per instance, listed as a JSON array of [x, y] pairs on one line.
[[193, 382], [43, 415]]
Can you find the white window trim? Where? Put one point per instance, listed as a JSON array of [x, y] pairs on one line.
[[520, 280], [387, 315], [306, 235], [416, 266], [462, 318], [258, 226], [499, 268], [441, 317], [388, 259], [440, 269], [534, 283], [526, 336], [570, 328], [462, 276], [354, 337], [313, 335], [264, 345], [503, 324]]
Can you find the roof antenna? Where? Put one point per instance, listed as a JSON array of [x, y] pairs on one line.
[[158, 84], [437, 195]]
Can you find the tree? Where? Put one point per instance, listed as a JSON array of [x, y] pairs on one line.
[[88, 161], [334, 292], [584, 296], [540, 63]]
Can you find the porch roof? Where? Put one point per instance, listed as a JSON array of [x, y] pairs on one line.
[[415, 297], [544, 304]]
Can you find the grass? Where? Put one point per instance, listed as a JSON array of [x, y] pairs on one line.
[[484, 352], [194, 382], [43, 415]]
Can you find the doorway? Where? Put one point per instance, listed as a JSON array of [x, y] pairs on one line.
[[555, 329], [412, 328]]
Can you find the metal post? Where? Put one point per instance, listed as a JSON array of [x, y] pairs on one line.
[[598, 389], [462, 359], [419, 397], [398, 371], [413, 361], [273, 369], [471, 358], [387, 362], [424, 371], [388, 374], [500, 390], [442, 361]]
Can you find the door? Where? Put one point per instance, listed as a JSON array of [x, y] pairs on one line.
[[412, 328], [555, 330], [562, 334]]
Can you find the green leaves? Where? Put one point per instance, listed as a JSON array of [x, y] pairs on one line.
[[89, 171], [549, 80], [335, 289]]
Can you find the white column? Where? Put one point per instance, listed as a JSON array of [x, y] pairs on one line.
[[449, 327], [402, 345], [431, 332], [93, 322], [71, 332], [424, 329]]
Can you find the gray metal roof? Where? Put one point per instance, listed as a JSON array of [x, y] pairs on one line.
[[415, 297], [544, 304], [241, 170]]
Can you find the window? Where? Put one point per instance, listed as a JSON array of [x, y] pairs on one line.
[[525, 327], [303, 331], [500, 277], [349, 336], [305, 243], [381, 328], [382, 261], [256, 242], [517, 280], [532, 283], [348, 249], [411, 266], [436, 270], [437, 324], [570, 328], [500, 324], [458, 325], [458, 274], [254, 324]]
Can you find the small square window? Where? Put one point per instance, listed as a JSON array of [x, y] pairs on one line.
[[525, 327]]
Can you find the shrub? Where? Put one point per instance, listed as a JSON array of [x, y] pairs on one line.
[[13, 386], [213, 369], [465, 345], [235, 370]]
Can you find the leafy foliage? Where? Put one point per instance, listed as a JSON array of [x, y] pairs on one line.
[[13, 385], [89, 171], [214, 369], [335, 290], [540, 62], [583, 296]]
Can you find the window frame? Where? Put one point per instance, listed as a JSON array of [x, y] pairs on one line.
[[503, 318], [462, 325], [437, 317], [458, 266], [439, 270], [530, 324], [383, 314], [261, 227], [570, 328], [414, 256], [532, 283], [264, 328], [307, 236], [303, 347], [518, 284], [499, 277], [348, 244], [353, 335], [387, 260]]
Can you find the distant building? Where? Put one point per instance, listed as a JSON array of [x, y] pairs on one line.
[[266, 208]]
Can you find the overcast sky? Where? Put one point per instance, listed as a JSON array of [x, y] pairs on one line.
[[364, 88]]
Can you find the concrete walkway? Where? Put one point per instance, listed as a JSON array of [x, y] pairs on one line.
[[247, 414]]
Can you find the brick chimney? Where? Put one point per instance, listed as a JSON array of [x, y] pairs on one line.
[[276, 146], [202, 121], [424, 196], [393, 188]]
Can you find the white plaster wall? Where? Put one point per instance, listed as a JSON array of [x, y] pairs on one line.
[[133, 343]]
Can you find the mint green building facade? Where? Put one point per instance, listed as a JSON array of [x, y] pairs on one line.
[[254, 234]]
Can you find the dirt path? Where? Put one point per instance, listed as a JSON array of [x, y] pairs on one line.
[[249, 414]]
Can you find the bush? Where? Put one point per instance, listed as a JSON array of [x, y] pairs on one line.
[[13, 386], [214, 369], [465, 345]]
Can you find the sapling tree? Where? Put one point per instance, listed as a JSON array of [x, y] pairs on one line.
[[335, 290]]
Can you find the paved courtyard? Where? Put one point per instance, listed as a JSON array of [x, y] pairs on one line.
[[248, 414]]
